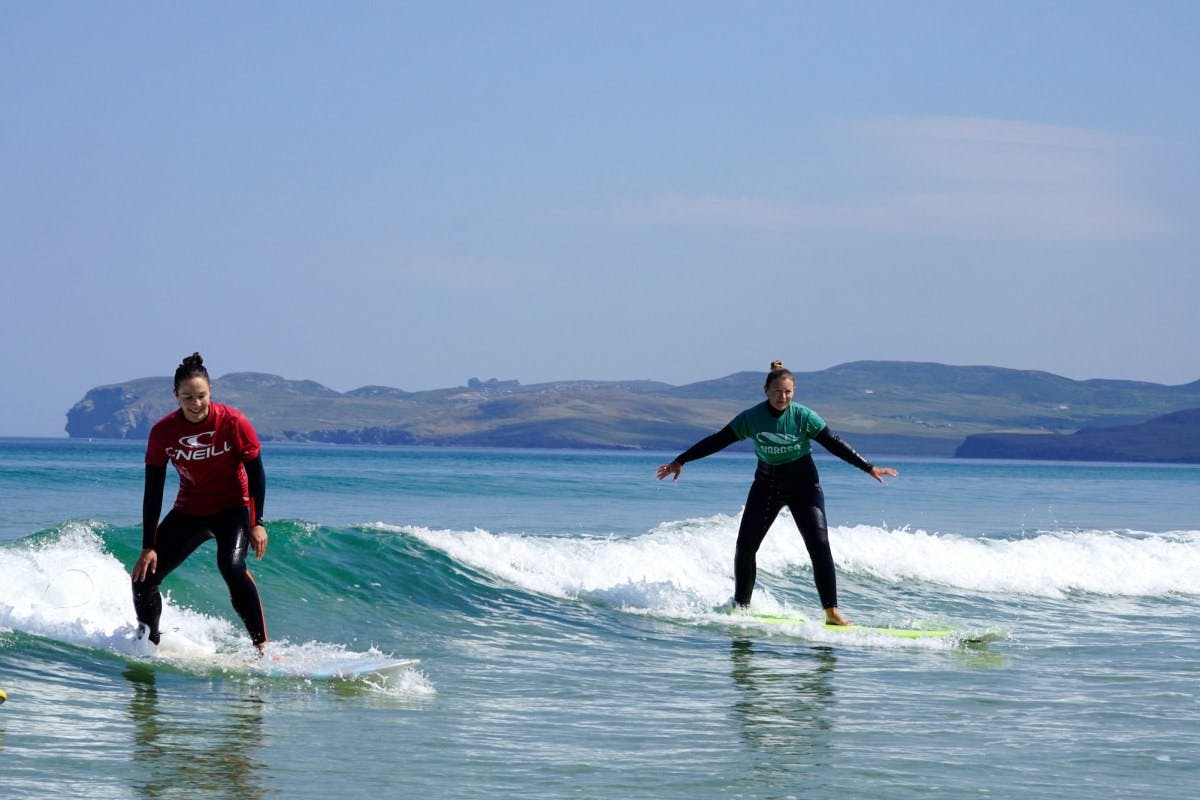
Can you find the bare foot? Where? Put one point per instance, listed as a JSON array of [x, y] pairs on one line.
[[834, 617]]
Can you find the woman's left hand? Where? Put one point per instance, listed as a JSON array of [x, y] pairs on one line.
[[878, 472], [258, 540], [674, 468]]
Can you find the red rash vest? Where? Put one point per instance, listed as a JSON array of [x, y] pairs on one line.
[[208, 456]]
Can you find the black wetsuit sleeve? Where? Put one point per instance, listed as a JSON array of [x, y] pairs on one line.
[[152, 497], [708, 445], [257, 480], [831, 442]]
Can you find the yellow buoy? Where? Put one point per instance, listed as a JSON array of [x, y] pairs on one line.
[[3, 696]]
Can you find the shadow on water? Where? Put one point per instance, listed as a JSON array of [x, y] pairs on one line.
[[214, 757], [784, 708]]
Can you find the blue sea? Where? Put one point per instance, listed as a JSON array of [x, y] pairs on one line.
[[561, 604]]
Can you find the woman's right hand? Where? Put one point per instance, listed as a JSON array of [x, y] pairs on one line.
[[674, 468], [147, 564]]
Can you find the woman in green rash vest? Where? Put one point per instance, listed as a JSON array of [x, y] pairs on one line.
[[786, 476]]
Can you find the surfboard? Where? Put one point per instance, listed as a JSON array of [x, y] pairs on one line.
[[862, 631], [312, 661], [349, 667]]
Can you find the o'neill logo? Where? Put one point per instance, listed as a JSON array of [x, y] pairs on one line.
[[198, 447]]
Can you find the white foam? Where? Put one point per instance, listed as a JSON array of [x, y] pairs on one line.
[[683, 566], [69, 589], [677, 567], [1048, 564]]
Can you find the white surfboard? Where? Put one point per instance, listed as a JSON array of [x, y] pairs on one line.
[[311, 661], [346, 667]]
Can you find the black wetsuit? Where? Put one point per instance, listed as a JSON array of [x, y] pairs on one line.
[[178, 536], [794, 484]]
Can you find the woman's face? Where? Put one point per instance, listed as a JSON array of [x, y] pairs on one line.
[[193, 397], [779, 393]]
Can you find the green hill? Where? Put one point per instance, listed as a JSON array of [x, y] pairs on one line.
[[880, 406]]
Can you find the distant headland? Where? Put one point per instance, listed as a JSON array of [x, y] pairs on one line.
[[882, 407]]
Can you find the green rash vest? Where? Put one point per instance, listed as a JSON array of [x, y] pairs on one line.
[[781, 439]]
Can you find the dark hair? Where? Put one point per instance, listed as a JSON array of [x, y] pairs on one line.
[[191, 367], [777, 371]]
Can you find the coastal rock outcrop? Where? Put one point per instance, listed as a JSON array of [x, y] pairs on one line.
[[1171, 438]]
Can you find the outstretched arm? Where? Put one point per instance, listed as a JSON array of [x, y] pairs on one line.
[[834, 444], [705, 447]]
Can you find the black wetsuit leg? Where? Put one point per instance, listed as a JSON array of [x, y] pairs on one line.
[[233, 541], [808, 511], [797, 486], [178, 537], [762, 507]]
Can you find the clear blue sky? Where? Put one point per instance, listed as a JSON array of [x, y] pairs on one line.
[[414, 194]]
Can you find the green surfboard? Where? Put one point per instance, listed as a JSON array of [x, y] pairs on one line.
[[965, 637]]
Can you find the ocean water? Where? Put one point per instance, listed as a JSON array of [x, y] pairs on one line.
[[562, 606]]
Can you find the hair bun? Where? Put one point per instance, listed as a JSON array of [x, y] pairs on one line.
[[776, 365], [191, 367]]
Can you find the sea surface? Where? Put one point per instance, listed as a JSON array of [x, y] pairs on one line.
[[563, 606]]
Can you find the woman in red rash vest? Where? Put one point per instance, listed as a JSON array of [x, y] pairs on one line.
[[221, 490]]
